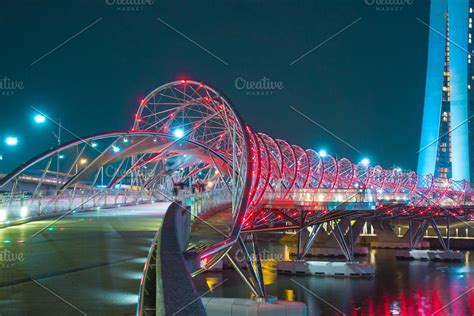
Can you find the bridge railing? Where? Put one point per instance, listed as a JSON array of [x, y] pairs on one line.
[[336, 195], [23, 206], [207, 201]]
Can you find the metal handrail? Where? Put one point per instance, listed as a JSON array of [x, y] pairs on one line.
[[144, 284]]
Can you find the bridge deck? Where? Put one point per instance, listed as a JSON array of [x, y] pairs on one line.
[[93, 260]]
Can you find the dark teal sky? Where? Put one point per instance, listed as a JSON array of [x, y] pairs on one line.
[[365, 85]]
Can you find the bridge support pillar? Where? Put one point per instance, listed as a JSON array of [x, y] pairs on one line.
[[387, 238], [448, 232], [262, 304], [329, 244], [435, 255], [310, 241], [345, 234], [344, 240], [438, 234], [248, 257]]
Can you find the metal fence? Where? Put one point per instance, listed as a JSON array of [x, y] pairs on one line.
[[203, 202], [21, 206]]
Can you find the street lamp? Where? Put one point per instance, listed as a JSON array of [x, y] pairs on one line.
[[40, 119], [11, 141], [322, 153], [365, 161]]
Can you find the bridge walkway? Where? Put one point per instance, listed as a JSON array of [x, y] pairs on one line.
[[89, 263]]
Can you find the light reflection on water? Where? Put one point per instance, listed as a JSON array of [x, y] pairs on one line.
[[212, 281], [288, 295], [399, 287], [372, 254]]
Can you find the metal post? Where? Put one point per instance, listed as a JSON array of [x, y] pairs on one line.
[[12, 194], [338, 234], [250, 266], [258, 263], [242, 275], [410, 233], [39, 204], [57, 156], [438, 233], [298, 246], [312, 237], [420, 233], [351, 238], [448, 232]]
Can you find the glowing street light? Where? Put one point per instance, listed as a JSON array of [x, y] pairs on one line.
[[11, 141], [40, 119], [93, 144], [322, 153], [83, 161], [365, 161], [23, 211], [178, 133], [115, 149], [3, 215]]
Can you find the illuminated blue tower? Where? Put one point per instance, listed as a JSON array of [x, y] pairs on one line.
[[444, 146]]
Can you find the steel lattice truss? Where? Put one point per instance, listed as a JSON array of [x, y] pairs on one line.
[[187, 133], [286, 172]]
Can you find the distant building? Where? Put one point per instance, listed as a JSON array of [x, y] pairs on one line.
[[449, 99]]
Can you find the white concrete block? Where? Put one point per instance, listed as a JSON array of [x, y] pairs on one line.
[[326, 268], [217, 306], [331, 251], [220, 307], [433, 255]]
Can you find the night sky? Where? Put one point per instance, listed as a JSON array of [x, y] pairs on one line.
[[365, 85]]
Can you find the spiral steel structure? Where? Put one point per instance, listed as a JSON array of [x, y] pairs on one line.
[[188, 133]]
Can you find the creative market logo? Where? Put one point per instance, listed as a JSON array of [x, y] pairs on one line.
[[261, 87], [389, 5], [129, 5], [265, 255], [8, 87], [112, 171], [9, 259]]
